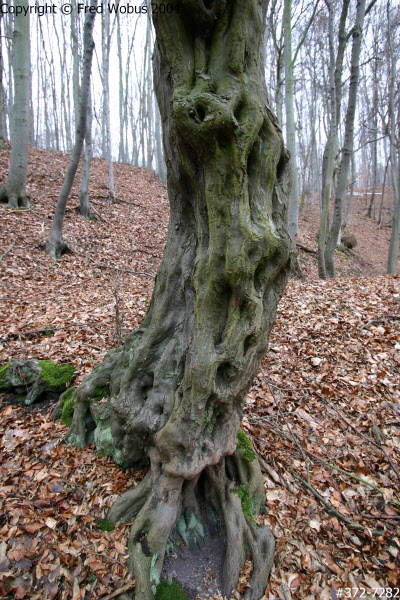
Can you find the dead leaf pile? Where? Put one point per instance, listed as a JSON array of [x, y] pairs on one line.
[[323, 414]]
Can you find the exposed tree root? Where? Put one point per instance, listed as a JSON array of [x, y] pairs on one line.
[[82, 422], [13, 200], [172, 511], [56, 249]]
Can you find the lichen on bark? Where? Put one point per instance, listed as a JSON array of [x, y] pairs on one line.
[[178, 384]]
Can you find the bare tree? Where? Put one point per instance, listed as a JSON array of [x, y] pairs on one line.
[[394, 122], [84, 205], [56, 246], [3, 108], [347, 148], [14, 190], [289, 62], [106, 117]]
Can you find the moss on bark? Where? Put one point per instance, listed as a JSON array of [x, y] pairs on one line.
[[245, 446], [67, 405], [249, 509]]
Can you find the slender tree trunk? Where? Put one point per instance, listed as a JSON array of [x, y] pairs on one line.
[[375, 133], [9, 44], [14, 190], [178, 384], [290, 124], [75, 61], [349, 204], [106, 44], [328, 161], [161, 167], [122, 112], [56, 246], [65, 120], [347, 148], [381, 219], [306, 159], [394, 238], [329, 154], [279, 85], [3, 111], [38, 99], [273, 19], [84, 206]]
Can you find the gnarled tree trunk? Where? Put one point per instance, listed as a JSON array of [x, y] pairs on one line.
[[177, 386]]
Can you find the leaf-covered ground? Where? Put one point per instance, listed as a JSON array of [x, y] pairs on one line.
[[324, 412]]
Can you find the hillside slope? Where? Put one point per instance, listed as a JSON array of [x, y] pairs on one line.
[[323, 414]]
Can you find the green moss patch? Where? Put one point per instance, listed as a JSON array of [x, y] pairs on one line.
[[4, 383], [244, 445], [106, 525], [246, 499], [55, 376], [68, 405], [99, 394], [173, 591]]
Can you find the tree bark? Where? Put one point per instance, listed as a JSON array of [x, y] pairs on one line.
[[374, 119], [394, 158], [76, 92], [106, 119], [14, 190], [328, 161], [56, 246], [122, 108], [84, 206], [290, 124], [178, 384], [3, 111]]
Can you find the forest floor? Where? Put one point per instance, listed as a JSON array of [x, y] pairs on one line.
[[323, 414]]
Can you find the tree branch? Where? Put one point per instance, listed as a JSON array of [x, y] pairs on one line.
[[305, 33]]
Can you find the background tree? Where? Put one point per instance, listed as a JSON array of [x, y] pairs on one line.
[[335, 101], [394, 127], [3, 120], [14, 190], [56, 246], [84, 205], [177, 386], [347, 149], [106, 34], [289, 62]]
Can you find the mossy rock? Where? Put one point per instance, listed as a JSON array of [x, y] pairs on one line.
[[56, 376], [34, 377], [4, 383]]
